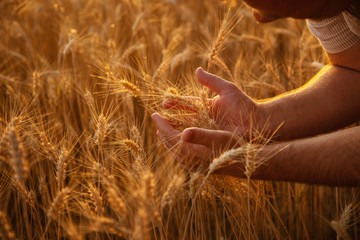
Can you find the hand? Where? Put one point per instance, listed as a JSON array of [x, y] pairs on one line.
[[233, 111]]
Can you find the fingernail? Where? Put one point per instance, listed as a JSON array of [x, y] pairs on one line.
[[187, 135], [199, 69], [153, 116], [158, 132]]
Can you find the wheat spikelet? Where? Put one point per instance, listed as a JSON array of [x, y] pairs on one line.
[[13, 123], [172, 91], [132, 49], [250, 163], [27, 196], [18, 161], [101, 129], [146, 210], [141, 230], [148, 185], [132, 146], [227, 26], [97, 199], [217, 61], [135, 134], [186, 102], [161, 69], [176, 121], [148, 195], [175, 41], [57, 204], [35, 83], [169, 196], [131, 88], [195, 184], [6, 231], [116, 203], [136, 23], [226, 158], [61, 167], [90, 101], [342, 224], [108, 179]]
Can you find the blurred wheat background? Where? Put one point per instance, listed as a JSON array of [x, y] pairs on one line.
[[79, 156]]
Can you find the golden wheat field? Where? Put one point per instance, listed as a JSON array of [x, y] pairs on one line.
[[79, 154]]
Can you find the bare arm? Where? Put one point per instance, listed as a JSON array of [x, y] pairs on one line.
[[331, 159], [331, 100]]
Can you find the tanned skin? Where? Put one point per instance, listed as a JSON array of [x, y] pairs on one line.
[[328, 102]]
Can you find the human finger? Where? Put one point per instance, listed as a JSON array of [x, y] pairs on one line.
[[213, 139], [215, 83], [188, 155], [171, 135]]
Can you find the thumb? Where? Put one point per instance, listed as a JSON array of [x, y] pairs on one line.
[[214, 83]]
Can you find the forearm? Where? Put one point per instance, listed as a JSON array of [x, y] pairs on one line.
[[330, 159], [331, 100]]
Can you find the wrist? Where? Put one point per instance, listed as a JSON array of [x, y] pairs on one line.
[[267, 119]]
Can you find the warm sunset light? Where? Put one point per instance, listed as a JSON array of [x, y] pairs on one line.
[[179, 119]]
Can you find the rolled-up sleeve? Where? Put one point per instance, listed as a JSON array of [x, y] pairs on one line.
[[334, 33]]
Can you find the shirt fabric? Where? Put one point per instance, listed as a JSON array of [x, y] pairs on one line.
[[338, 33]]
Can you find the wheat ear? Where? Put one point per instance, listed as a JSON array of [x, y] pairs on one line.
[[58, 202], [342, 224], [6, 231], [18, 161]]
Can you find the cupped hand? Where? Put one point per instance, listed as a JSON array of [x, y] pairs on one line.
[[192, 156], [233, 111]]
